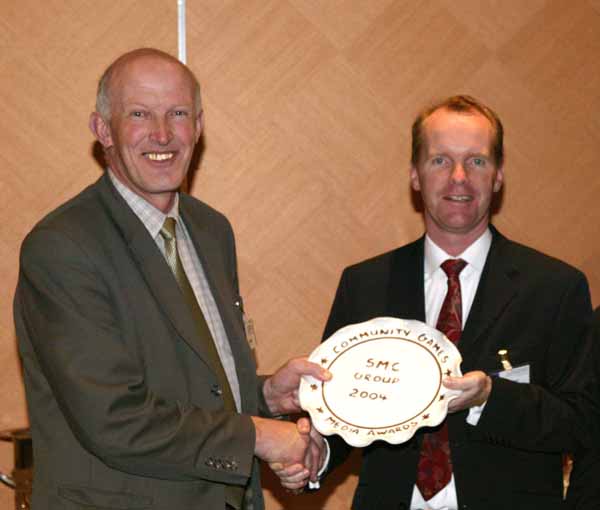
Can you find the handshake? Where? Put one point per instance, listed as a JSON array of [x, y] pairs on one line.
[[294, 451]]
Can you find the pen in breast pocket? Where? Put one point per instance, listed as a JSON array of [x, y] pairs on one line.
[[503, 353]]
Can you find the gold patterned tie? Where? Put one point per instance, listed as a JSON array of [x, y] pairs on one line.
[[234, 495]]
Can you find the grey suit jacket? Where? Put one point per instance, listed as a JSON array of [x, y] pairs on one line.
[[125, 409]]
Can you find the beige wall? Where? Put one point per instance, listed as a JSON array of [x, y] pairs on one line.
[[308, 106]]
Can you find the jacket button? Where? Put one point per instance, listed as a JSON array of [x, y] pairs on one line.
[[216, 390]]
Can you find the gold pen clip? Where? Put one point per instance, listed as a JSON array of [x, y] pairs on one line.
[[503, 353]]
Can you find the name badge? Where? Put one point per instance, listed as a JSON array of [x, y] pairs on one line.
[[250, 332], [518, 374]]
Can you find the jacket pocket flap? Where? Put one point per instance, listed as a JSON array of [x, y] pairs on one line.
[[96, 498]]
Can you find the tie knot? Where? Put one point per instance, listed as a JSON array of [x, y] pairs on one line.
[[453, 267], [168, 229]]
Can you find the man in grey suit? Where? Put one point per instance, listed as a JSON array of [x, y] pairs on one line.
[[141, 387]]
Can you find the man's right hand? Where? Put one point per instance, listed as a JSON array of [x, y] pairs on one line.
[[296, 476], [282, 442]]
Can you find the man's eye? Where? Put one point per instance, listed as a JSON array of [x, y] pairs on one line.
[[479, 161], [137, 114], [438, 160], [181, 113]]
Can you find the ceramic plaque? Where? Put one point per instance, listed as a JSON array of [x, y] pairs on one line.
[[387, 381]]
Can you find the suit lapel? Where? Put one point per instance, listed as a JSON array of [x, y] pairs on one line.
[[209, 251], [153, 267], [497, 288], [406, 292]]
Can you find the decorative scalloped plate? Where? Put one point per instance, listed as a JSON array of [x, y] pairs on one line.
[[387, 381]]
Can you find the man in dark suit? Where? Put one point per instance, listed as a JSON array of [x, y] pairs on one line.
[[505, 434], [141, 387]]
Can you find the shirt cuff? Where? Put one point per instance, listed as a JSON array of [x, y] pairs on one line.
[[475, 414], [317, 485]]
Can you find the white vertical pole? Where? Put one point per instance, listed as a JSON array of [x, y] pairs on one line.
[[181, 35], [182, 55]]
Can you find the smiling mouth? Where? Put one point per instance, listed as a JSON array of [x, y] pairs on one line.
[[459, 198], [159, 156]]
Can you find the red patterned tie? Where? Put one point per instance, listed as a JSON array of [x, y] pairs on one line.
[[435, 464]]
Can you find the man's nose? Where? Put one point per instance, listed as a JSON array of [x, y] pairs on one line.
[[161, 131], [458, 173]]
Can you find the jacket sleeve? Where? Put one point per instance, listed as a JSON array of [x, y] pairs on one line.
[[67, 322], [584, 490]]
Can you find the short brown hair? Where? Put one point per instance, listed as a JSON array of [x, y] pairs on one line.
[[462, 104]]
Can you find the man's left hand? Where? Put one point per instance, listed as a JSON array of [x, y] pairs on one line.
[[476, 387], [281, 389]]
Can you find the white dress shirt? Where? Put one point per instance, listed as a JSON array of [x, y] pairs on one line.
[[153, 219], [436, 288]]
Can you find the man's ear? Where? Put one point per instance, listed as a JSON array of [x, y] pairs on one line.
[[199, 124], [414, 178], [100, 129], [498, 179]]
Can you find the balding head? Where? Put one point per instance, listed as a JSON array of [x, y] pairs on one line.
[[113, 72], [148, 123]]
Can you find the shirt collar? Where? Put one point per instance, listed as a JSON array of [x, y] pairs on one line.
[[152, 218], [475, 255]]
